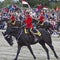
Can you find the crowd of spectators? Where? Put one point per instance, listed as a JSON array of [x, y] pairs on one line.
[[13, 12]]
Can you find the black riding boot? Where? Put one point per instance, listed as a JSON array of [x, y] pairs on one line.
[[31, 31], [35, 38]]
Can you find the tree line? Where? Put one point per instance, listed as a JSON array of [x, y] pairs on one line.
[[33, 3]]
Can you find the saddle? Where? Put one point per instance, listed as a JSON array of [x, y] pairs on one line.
[[38, 33]]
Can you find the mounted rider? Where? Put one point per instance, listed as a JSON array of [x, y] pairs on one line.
[[29, 25], [12, 19], [10, 23], [41, 19]]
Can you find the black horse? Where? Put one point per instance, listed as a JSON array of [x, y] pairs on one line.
[[47, 26], [28, 40]]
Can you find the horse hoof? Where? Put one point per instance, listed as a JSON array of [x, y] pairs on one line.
[[11, 44], [34, 57], [58, 58], [47, 59], [15, 59]]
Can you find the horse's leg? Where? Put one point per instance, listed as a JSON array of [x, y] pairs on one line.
[[45, 48], [18, 51], [51, 46], [31, 51]]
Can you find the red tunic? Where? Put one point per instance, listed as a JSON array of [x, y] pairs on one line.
[[13, 18], [39, 7], [41, 18], [28, 22]]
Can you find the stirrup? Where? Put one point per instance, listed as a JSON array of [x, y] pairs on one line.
[[38, 33]]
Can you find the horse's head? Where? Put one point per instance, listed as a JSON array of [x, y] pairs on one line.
[[8, 38]]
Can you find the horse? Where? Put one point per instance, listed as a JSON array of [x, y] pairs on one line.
[[47, 26], [24, 39]]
